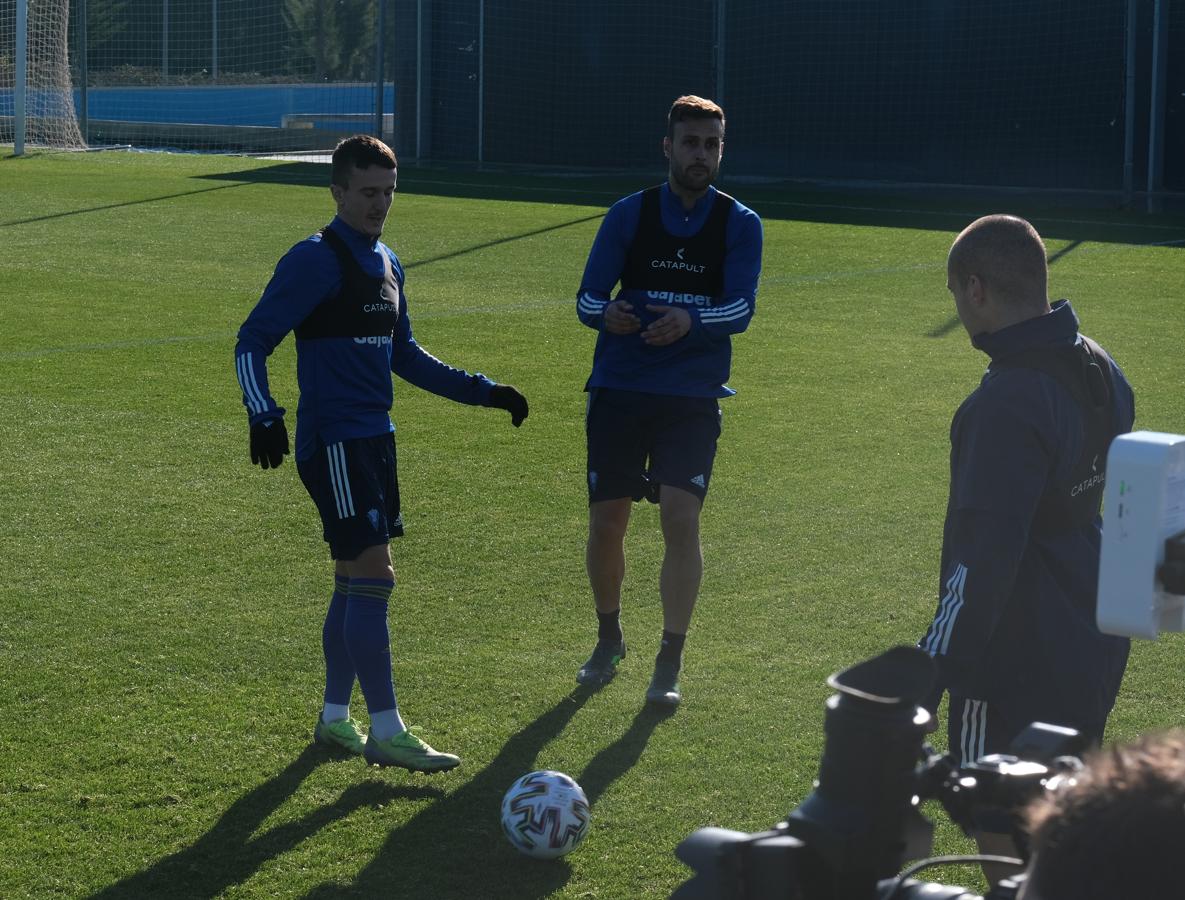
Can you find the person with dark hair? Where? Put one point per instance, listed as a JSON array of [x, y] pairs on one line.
[[1116, 829], [1014, 635], [687, 258], [342, 292]]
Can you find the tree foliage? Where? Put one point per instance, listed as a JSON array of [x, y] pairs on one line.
[[177, 41]]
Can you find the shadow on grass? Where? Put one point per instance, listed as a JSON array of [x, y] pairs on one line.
[[773, 199], [503, 240], [69, 213], [455, 848], [230, 852], [620, 756], [1069, 216], [1069, 248]]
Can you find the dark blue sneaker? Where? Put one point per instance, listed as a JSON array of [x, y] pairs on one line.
[[664, 684], [602, 665]]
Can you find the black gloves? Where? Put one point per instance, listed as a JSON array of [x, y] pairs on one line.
[[503, 396], [269, 443]]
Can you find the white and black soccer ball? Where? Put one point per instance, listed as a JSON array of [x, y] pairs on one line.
[[545, 814]]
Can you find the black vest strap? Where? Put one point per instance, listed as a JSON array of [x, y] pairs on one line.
[[660, 261], [365, 306], [1084, 369]]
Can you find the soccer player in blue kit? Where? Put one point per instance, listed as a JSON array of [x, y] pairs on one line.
[[341, 291], [1014, 637], [687, 257]]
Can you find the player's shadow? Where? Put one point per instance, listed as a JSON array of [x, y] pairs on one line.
[[231, 851], [455, 848], [620, 756]]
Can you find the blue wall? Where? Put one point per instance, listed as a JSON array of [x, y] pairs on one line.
[[231, 104]]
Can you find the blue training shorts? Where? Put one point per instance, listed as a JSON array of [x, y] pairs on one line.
[[356, 488], [638, 442]]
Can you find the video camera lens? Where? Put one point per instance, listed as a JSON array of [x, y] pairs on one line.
[[861, 817]]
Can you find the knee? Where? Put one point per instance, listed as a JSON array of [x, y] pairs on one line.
[[680, 528], [608, 524]]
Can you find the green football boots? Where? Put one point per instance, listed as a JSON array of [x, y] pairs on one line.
[[342, 735], [407, 751]]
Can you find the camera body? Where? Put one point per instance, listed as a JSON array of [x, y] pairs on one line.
[[850, 837]]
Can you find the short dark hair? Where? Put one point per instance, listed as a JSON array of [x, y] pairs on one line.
[[1118, 828], [360, 151], [690, 106], [1008, 256]]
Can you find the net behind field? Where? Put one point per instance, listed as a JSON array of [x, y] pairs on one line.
[[49, 102], [998, 94], [230, 76], [991, 93]]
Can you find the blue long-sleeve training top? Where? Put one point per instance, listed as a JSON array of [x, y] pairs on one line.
[[697, 364], [345, 382]]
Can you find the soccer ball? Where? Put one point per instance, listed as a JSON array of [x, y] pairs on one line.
[[545, 814]]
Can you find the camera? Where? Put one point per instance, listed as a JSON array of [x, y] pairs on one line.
[[849, 838]]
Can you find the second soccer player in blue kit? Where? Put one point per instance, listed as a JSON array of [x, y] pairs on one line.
[[687, 257]]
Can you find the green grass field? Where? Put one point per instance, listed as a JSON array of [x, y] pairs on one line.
[[160, 661]]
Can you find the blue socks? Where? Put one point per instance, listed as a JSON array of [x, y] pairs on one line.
[[369, 643], [339, 668]]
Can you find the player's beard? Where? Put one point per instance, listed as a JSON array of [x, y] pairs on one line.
[[694, 181]]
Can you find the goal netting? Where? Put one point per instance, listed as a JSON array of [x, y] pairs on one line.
[[231, 75], [1001, 93], [36, 98]]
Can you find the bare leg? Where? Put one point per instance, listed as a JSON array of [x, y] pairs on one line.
[[605, 553], [373, 562], [997, 845], [683, 561]]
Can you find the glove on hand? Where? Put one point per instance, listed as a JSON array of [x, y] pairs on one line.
[[503, 396], [269, 443]]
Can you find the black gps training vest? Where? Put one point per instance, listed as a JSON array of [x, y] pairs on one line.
[[659, 261], [364, 306], [1084, 369]]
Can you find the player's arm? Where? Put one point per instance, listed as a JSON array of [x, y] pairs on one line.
[[302, 280], [978, 573], [606, 260], [1001, 466], [417, 366], [738, 300]]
